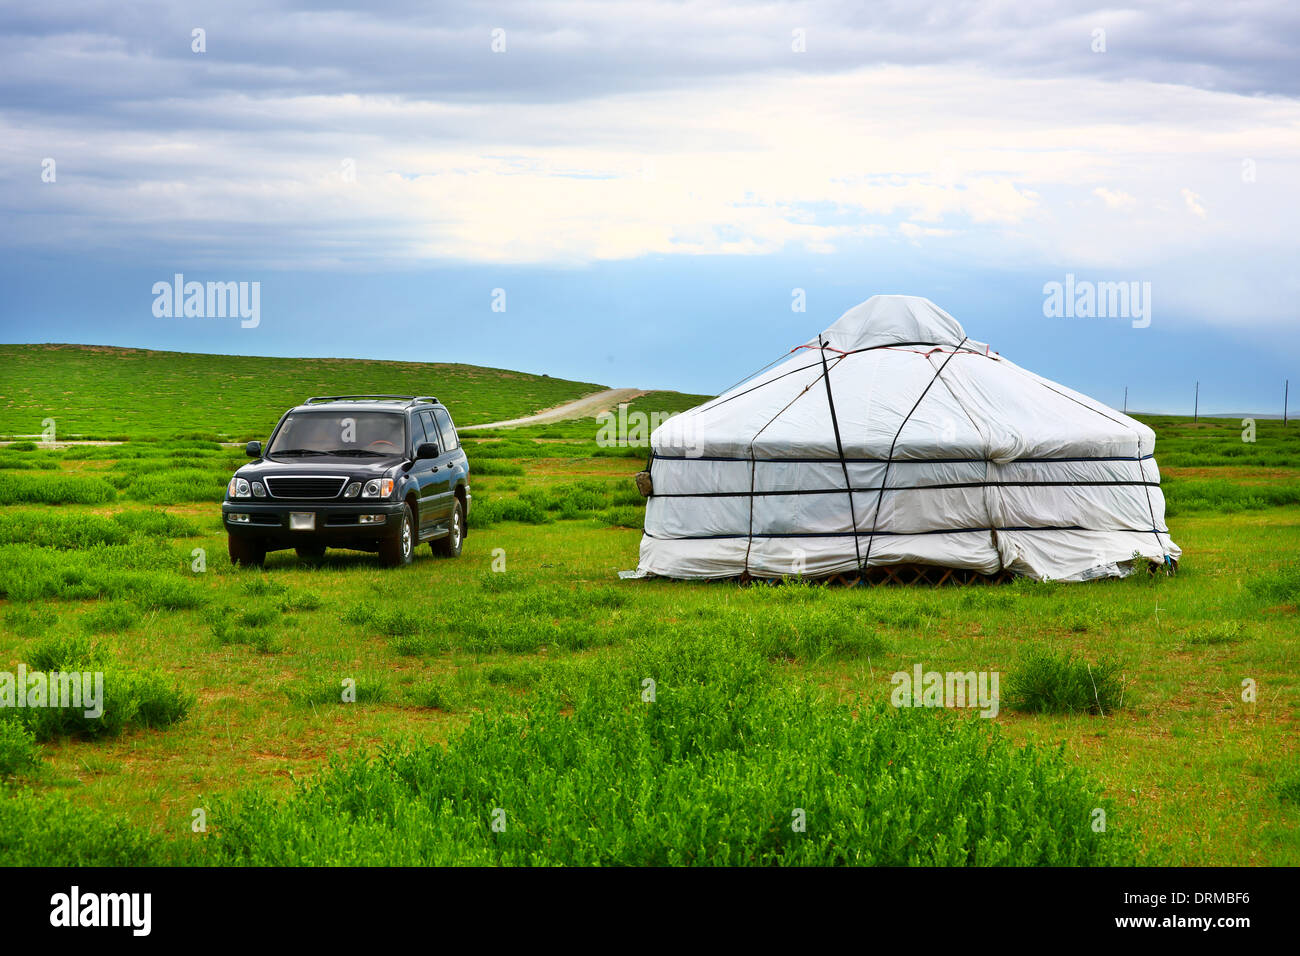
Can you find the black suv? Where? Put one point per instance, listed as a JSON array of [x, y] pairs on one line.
[[369, 472]]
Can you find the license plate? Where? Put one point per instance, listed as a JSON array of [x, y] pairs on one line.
[[302, 520]]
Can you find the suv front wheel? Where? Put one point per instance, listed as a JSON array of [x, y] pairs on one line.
[[400, 548]]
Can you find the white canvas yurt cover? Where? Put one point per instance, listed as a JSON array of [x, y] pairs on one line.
[[894, 439]]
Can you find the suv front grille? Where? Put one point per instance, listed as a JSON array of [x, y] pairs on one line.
[[305, 487]]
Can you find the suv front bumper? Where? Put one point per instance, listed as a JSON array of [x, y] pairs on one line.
[[334, 525]]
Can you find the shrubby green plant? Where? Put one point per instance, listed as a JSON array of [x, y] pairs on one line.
[[1281, 586], [131, 697], [494, 466], [44, 529], [54, 490], [1217, 632], [1055, 682], [262, 586], [29, 621], [300, 601], [316, 691], [1219, 496], [250, 626], [146, 574], [112, 616], [1287, 786], [174, 486], [19, 752], [65, 652], [157, 523], [50, 829]]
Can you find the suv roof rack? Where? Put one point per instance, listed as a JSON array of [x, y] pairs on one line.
[[411, 399]]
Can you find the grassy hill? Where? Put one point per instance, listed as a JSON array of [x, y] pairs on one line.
[[100, 392]]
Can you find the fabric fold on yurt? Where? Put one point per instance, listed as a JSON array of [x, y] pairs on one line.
[[893, 438]]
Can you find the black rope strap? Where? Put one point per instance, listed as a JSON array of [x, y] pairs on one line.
[[839, 448], [890, 460]]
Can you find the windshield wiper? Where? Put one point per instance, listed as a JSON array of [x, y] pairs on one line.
[[356, 451], [298, 451]]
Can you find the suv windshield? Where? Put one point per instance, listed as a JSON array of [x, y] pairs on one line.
[[359, 434]]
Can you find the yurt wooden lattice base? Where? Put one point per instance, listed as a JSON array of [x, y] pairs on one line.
[[906, 575]]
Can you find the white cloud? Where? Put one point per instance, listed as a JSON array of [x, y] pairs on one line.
[[914, 232], [1193, 202], [1114, 198]]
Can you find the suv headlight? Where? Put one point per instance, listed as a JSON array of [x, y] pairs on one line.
[[378, 488], [239, 488]]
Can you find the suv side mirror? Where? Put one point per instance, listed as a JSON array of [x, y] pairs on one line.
[[426, 449], [253, 449]]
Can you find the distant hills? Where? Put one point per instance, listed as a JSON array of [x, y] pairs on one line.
[[109, 393]]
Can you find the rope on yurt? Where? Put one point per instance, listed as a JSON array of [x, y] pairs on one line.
[[839, 448], [753, 464], [752, 375], [722, 401], [884, 480], [753, 468]]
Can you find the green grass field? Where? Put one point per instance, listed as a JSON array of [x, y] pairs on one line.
[[501, 711]]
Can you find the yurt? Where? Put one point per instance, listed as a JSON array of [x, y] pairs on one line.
[[894, 440]]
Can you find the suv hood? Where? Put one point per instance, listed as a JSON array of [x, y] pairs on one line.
[[361, 468]]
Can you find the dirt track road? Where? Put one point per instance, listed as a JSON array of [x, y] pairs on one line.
[[588, 406]]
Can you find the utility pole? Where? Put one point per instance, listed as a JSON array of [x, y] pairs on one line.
[[1125, 399], [1196, 405], [1286, 393]]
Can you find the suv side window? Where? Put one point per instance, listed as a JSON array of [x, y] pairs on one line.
[[418, 436], [447, 428], [431, 429]]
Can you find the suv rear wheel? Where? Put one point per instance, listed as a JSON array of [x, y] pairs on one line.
[[400, 548], [245, 551], [449, 547]]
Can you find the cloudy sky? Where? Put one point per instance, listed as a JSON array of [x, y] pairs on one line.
[[649, 182]]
